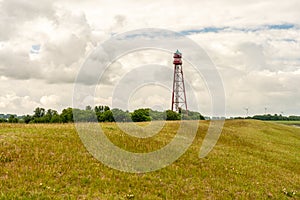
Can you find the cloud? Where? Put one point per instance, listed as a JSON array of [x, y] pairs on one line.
[[12, 103], [254, 44], [16, 12], [256, 90], [23, 96], [64, 39], [71, 34], [266, 49], [50, 101], [15, 62]]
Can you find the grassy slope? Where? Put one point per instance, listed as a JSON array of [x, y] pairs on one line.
[[296, 123], [252, 160]]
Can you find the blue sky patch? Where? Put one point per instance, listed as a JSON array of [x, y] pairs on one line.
[[35, 49], [286, 26]]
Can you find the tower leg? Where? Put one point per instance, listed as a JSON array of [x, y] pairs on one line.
[[178, 95]]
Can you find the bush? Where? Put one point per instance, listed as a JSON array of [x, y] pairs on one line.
[[141, 115], [172, 115]]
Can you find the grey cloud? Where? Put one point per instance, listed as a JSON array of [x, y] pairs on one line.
[[17, 65], [70, 44], [64, 52], [248, 64], [138, 77], [252, 56], [15, 12], [61, 53], [257, 90], [93, 67]]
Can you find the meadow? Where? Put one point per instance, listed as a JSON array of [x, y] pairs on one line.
[[252, 160], [291, 123]]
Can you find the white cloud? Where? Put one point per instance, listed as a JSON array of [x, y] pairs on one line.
[[50, 101], [13, 103], [259, 67]]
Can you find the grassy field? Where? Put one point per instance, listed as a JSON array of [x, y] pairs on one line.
[[292, 123], [252, 160]]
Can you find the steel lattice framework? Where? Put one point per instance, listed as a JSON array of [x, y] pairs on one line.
[[178, 95]]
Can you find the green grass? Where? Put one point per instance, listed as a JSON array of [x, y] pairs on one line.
[[252, 160], [293, 123]]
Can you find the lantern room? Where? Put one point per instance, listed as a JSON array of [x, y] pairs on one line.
[[177, 58]]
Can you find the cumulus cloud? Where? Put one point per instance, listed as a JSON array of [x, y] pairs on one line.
[[254, 44], [16, 104], [16, 12], [64, 37], [259, 69], [22, 96], [51, 100]]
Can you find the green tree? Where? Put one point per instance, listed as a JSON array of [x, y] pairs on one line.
[[39, 112], [99, 109], [120, 116], [48, 116], [106, 108], [192, 115], [13, 119], [107, 116], [172, 115], [141, 115], [2, 120], [67, 115], [88, 107], [157, 115], [27, 119], [84, 115], [56, 119]]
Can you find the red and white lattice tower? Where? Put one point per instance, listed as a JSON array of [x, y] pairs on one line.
[[178, 96]]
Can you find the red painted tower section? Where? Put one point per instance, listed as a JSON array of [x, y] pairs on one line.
[[178, 95]]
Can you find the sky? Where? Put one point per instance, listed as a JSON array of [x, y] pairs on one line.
[[254, 45]]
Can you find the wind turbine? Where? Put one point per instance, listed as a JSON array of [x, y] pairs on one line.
[[247, 111], [266, 110]]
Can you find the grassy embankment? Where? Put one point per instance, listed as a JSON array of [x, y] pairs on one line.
[[252, 160], [291, 123]]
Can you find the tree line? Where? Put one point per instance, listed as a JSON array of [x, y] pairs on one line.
[[269, 117], [99, 114], [276, 117]]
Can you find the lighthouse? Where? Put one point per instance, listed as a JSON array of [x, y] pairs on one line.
[[178, 95]]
